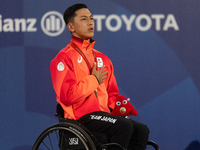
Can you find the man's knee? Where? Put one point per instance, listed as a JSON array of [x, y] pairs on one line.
[[143, 132], [126, 125], [145, 129]]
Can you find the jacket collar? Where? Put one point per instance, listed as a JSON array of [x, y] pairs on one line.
[[83, 44]]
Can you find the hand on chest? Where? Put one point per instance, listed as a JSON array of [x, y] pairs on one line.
[[83, 68]]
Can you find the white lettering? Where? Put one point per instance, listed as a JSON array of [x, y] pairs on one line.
[[170, 22], [95, 117], [73, 141], [19, 22], [113, 23], [118, 23], [157, 20], [143, 22], [8, 25], [148, 24], [103, 118], [99, 19], [18, 25], [31, 23], [128, 22]]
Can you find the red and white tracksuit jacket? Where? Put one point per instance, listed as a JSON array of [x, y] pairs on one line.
[[73, 84]]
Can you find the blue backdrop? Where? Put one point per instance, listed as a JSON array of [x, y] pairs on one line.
[[154, 47]]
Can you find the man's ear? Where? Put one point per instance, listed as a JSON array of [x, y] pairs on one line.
[[70, 26]]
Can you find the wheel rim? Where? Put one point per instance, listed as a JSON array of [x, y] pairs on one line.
[[49, 139]]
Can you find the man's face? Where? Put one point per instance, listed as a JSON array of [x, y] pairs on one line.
[[83, 24]]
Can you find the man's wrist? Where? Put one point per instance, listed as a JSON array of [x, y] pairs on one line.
[[97, 78]]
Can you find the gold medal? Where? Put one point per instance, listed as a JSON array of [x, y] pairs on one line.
[[95, 92]]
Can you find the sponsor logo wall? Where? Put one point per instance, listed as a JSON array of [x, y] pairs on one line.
[[154, 49], [52, 23]]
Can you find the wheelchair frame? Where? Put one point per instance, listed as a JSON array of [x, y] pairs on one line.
[[72, 135]]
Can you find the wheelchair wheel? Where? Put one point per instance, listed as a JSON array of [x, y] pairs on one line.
[[153, 144], [64, 136]]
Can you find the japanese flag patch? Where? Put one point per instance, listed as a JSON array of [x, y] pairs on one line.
[[99, 62]]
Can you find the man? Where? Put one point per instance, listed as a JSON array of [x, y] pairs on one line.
[[85, 85]]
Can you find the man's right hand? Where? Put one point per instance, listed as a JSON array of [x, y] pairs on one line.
[[98, 73]]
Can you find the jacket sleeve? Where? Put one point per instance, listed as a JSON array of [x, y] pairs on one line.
[[112, 87], [68, 91]]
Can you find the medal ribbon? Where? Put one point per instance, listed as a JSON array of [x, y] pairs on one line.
[[84, 57]]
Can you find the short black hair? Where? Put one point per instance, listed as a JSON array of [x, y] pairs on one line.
[[69, 13]]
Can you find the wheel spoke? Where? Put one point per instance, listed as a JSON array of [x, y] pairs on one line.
[[50, 141], [45, 145]]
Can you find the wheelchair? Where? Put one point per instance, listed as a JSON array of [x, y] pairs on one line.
[[71, 135]]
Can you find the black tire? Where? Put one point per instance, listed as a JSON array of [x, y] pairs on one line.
[[55, 136]]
